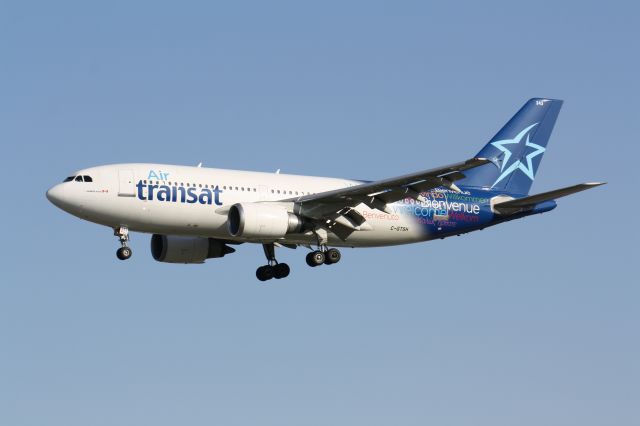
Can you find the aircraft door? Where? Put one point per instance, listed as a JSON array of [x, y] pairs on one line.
[[262, 193], [126, 187]]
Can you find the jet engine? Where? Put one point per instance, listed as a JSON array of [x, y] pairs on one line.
[[179, 249], [261, 221]]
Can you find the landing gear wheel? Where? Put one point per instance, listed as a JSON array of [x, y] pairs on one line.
[[265, 273], [315, 258], [281, 270], [124, 253], [332, 256], [272, 269]]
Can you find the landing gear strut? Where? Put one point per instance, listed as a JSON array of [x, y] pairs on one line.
[[328, 257], [122, 233], [272, 269]]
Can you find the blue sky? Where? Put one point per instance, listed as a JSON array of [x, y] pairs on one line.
[[533, 322]]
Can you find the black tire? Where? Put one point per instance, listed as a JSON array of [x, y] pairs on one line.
[[264, 273], [309, 259], [315, 258], [124, 253], [332, 256], [281, 270]]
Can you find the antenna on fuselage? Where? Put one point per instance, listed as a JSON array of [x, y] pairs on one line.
[[199, 164], [278, 171]]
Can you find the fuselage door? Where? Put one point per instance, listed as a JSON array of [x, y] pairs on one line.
[[262, 193], [126, 187]]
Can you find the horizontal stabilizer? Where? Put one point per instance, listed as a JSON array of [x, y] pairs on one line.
[[518, 204]]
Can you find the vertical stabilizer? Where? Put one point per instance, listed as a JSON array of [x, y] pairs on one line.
[[516, 150]]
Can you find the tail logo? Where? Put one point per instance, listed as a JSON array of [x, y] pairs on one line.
[[507, 169]]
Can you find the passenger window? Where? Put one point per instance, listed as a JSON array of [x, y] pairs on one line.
[[69, 179], [78, 178], [88, 179]]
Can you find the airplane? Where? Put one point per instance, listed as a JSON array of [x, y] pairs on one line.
[[197, 213]]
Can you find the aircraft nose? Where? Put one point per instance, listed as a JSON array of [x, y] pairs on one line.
[[55, 194]]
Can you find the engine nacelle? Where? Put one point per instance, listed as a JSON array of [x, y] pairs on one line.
[[261, 221], [178, 249]]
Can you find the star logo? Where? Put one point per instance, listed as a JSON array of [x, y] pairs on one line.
[[506, 169]]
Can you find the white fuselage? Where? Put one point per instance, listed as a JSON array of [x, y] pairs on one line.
[[180, 200]]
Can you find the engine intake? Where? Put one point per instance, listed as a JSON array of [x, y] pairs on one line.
[[261, 221], [179, 249]]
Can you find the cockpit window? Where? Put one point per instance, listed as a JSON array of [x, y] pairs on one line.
[[79, 178]]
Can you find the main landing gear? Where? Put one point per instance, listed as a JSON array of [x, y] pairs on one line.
[[323, 256], [272, 269], [122, 233], [276, 270]]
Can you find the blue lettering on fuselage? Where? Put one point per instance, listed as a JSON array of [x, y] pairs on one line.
[[159, 175], [179, 194]]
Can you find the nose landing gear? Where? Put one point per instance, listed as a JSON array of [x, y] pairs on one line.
[[123, 252], [272, 269]]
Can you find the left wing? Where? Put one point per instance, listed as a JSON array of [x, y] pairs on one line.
[[336, 207]]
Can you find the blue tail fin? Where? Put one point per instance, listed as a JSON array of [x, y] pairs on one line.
[[516, 150]]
